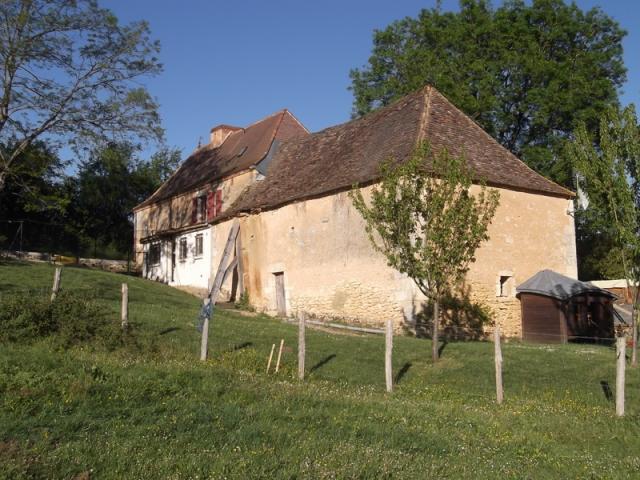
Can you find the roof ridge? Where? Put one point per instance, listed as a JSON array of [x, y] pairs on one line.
[[290, 113], [277, 112], [426, 113], [494, 141]]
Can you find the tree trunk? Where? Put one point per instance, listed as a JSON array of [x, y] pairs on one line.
[[634, 329], [434, 335], [3, 179]]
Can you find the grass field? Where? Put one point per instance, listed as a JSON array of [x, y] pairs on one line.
[[154, 411]]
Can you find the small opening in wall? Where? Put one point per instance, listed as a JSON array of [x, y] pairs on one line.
[[503, 286]]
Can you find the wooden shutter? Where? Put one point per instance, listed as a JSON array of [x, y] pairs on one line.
[[194, 210], [218, 202], [211, 206]]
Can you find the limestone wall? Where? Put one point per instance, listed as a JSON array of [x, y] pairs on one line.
[[330, 269]]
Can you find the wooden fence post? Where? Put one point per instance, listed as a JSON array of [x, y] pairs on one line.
[[388, 370], [273, 347], [301, 345], [124, 308], [621, 347], [498, 360], [279, 355], [56, 283]]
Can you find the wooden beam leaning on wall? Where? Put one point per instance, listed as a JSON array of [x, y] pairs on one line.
[[221, 275]]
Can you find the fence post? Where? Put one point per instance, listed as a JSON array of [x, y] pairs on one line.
[[56, 283], [124, 309], [273, 347], [621, 347], [301, 345], [279, 355], [388, 371], [498, 360]]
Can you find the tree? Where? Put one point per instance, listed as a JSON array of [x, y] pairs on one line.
[[609, 173], [108, 185], [424, 219], [528, 73], [70, 72]]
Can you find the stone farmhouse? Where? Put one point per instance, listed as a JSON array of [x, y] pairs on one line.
[[302, 246]]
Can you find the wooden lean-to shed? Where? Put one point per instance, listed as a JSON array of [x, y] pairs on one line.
[[556, 309]]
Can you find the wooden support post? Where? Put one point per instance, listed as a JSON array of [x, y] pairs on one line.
[[273, 347], [124, 308], [240, 266], [301, 345], [279, 355], [56, 283], [498, 359], [388, 369], [217, 285], [621, 347]]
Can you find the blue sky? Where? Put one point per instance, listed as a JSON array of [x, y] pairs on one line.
[[236, 62]]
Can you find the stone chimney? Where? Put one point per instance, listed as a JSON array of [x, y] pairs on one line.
[[220, 133]]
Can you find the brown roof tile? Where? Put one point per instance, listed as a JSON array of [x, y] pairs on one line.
[[242, 149], [338, 157]]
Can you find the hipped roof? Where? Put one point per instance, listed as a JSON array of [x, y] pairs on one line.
[[555, 285], [338, 157]]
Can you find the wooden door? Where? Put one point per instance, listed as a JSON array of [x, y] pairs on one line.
[[281, 304]]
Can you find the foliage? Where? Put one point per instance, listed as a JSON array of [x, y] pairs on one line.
[[610, 177], [527, 72], [244, 303], [71, 318], [80, 412], [72, 74], [609, 172], [427, 223], [88, 213]]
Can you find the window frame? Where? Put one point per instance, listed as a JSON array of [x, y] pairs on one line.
[[198, 251], [183, 249], [201, 208], [155, 250]]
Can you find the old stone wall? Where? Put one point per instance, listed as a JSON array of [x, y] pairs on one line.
[[331, 271]]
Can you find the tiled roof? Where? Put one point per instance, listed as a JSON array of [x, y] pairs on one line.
[[242, 149], [338, 157]]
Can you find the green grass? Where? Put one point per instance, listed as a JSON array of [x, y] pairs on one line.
[[155, 411]]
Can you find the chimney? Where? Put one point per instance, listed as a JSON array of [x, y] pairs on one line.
[[220, 133]]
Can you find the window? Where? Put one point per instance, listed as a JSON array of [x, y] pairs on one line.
[[201, 208], [504, 285], [153, 256], [199, 245], [183, 249]]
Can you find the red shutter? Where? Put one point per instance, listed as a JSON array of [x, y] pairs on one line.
[[211, 205], [218, 202], [194, 210]]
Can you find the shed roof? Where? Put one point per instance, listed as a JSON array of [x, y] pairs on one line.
[[561, 287], [336, 158]]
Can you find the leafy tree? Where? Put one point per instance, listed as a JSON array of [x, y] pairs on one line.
[[109, 184], [609, 171], [426, 221], [528, 73], [34, 202], [71, 73]]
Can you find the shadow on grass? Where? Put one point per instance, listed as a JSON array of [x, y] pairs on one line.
[[606, 389], [442, 347], [168, 330], [240, 346], [402, 372], [322, 362]]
